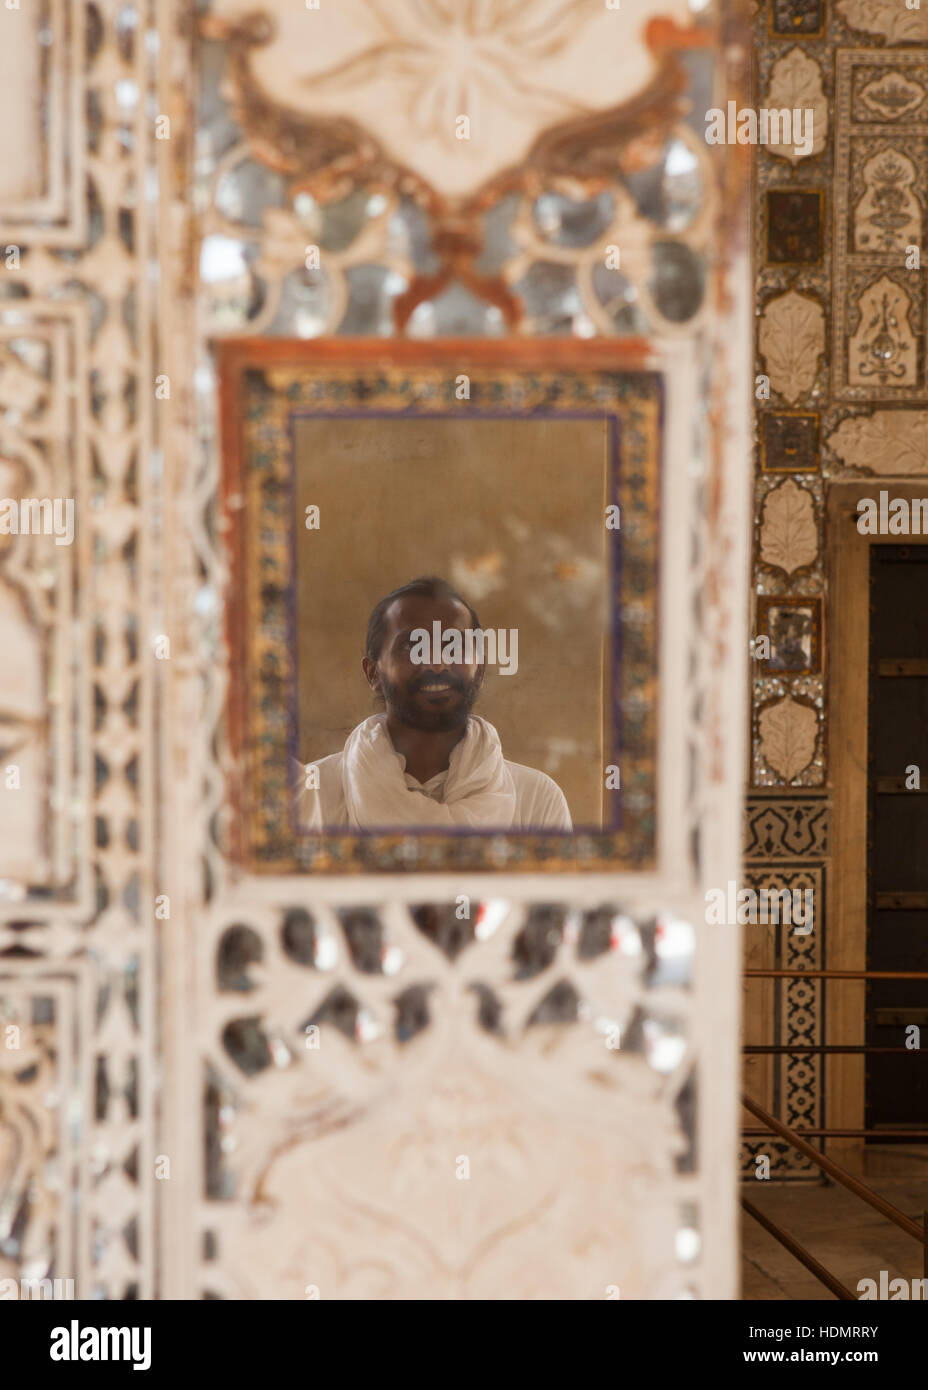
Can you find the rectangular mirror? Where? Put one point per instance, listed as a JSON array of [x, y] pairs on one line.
[[497, 711]]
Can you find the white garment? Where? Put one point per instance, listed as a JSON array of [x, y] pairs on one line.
[[366, 787]]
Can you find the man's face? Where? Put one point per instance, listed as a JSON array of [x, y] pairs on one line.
[[433, 697]]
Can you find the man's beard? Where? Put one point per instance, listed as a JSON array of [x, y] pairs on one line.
[[402, 703]]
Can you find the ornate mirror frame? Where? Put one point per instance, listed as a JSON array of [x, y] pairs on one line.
[[266, 386]]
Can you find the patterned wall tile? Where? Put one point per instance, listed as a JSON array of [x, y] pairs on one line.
[[786, 828], [789, 441], [801, 19], [795, 226], [796, 18], [794, 1080]]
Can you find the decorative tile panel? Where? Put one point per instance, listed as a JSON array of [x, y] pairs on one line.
[[887, 19], [796, 84], [886, 442], [441, 1090], [44, 835], [789, 441], [791, 1016], [797, 18], [794, 226], [791, 341], [44, 1125], [881, 150], [77, 895], [388, 86], [44, 118], [789, 732], [784, 828]]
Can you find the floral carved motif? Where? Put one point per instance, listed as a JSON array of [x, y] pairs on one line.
[[890, 18], [889, 441], [431, 88], [789, 534], [788, 732], [791, 340], [796, 85]]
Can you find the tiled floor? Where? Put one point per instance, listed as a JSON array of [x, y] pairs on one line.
[[845, 1234]]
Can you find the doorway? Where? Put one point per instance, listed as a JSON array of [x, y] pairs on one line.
[[896, 1081]]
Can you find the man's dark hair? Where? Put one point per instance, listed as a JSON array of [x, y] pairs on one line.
[[428, 586]]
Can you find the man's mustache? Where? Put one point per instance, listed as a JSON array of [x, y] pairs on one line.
[[424, 682]]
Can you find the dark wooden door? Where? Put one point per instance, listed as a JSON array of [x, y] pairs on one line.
[[897, 840]]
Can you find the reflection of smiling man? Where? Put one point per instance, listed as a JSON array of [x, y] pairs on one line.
[[427, 761]]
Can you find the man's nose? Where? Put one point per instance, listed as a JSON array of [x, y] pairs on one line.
[[443, 667]]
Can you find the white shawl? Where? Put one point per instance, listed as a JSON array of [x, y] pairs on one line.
[[478, 791]]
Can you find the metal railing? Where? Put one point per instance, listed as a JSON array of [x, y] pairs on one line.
[[840, 1175], [837, 1049]]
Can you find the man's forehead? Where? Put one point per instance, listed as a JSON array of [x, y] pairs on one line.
[[418, 610]]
